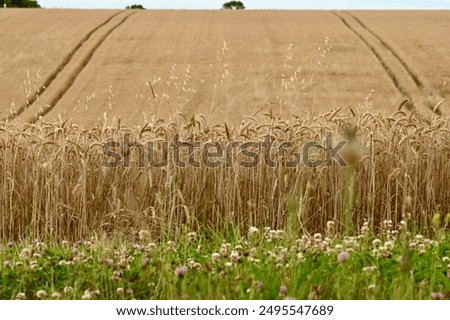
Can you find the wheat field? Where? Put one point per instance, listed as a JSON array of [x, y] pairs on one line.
[[74, 81]]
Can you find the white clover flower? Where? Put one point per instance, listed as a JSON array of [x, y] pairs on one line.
[[234, 256], [192, 236], [252, 231], [215, 257], [86, 295], [369, 270], [372, 287], [20, 296], [67, 289], [376, 242], [56, 295], [388, 245], [41, 294]]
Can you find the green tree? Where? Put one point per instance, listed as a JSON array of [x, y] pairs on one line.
[[20, 3], [233, 5], [136, 6]]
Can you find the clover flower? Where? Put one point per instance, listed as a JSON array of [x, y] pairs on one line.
[[181, 271]]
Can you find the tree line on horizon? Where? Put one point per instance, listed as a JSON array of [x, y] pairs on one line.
[[19, 4], [237, 5]]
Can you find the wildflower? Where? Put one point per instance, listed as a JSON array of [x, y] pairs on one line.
[[6, 263], [371, 287], [445, 259], [10, 244], [279, 234], [117, 275], [138, 247], [120, 291], [86, 295], [300, 257], [437, 296], [228, 264], [260, 286], [33, 265], [388, 245], [145, 263], [253, 260], [192, 236], [41, 294], [369, 270], [68, 289], [252, 231], [130, 291], [343, 256], [234, 256], [26, 253], [283, 290], [181, 271], [376, 242], [56, 295], [20, 296], [215, 257]]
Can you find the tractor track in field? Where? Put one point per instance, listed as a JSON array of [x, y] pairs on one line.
[[410, 85], [74, 75], [30, 100], [416, 79], [63, 64], [419, 83]]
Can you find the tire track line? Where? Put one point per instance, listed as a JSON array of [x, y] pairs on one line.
[[419, 83], [49, 80], [71, 80], [383, 63], [415, 78]]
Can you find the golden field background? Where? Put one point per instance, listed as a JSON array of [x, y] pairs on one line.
[[73, 80], [138, 65]]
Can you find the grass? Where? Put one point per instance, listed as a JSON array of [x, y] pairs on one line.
[[259, 264]]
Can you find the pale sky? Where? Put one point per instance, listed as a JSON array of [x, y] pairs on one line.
[[252, 4]]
